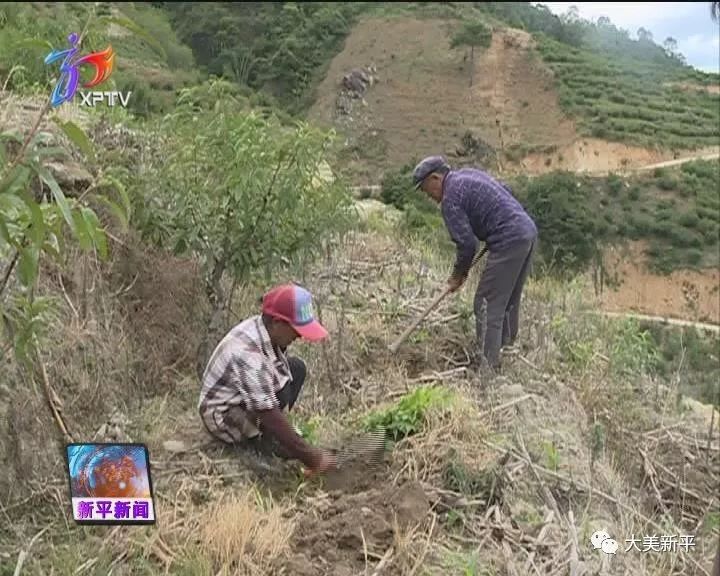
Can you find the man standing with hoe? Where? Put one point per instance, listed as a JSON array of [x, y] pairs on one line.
[[475, 207]]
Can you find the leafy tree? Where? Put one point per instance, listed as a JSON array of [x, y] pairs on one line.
[[273, 46], [644, 35], [572, 14], [37, 219], [536, 19], [239, 190], [569, 238], [473, 34], [604, 22], [670, 45]]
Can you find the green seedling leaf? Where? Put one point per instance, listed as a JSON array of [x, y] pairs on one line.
[[15, 181], [58, 195], [36, 231], [4, 234], [77, 136], [34, 43], [81, 231], [52, 151], [11, 204], [95, 230], [28, 265]]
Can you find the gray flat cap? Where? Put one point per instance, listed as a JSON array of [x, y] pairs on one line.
[[427, 167]]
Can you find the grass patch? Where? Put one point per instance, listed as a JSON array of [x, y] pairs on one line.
[[466, 564], [694, 354], [245, 532]]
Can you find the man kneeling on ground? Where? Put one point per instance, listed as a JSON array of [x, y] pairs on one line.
[[249, 380]]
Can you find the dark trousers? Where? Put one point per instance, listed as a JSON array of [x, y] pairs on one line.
[[291, 392], [287, 397], [497, 299]]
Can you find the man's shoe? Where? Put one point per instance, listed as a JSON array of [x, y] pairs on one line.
[[510, 350]]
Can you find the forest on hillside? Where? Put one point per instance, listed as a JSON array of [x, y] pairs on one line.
[[283, 48]]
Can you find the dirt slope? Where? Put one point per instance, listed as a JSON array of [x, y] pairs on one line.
[[684, 294], [515, 88], [422, 103], [600, 157]]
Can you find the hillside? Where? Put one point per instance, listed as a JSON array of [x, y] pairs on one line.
[[132, 241], [538, 106], [150, 61], [535, 103]]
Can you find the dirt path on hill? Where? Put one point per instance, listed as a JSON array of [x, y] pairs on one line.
[[665, 320]]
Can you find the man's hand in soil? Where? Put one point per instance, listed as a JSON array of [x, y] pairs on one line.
[[325, 462], [455, 282]]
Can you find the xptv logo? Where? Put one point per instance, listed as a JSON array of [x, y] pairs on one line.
[[67, 84]]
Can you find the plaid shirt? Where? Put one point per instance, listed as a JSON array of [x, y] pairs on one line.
[[244, 373], [476, 206]]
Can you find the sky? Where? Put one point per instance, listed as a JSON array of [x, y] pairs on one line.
[[698, 37]]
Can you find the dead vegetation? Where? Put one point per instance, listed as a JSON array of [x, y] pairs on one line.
[[509, 475]]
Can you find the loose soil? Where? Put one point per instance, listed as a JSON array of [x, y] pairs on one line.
[[332, 538]]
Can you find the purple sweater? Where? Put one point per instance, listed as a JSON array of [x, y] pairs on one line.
[[475, 207]]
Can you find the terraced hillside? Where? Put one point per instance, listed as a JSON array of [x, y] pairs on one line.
[[626, 98], [599, 104]]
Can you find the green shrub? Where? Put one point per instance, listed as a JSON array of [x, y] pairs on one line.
[[396, 187], [408, 415], [281, 47], [569, 237], [634, 193], [688, 220], [144, 101], [268, 203], [664, 215], [633, 350], [693, 256], [640, 226], [683, 238], [710, 232], [615, 184], [667, 182], [702, 169], [695, 354]]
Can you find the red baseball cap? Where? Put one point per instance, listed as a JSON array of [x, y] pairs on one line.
[[293, 304]]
